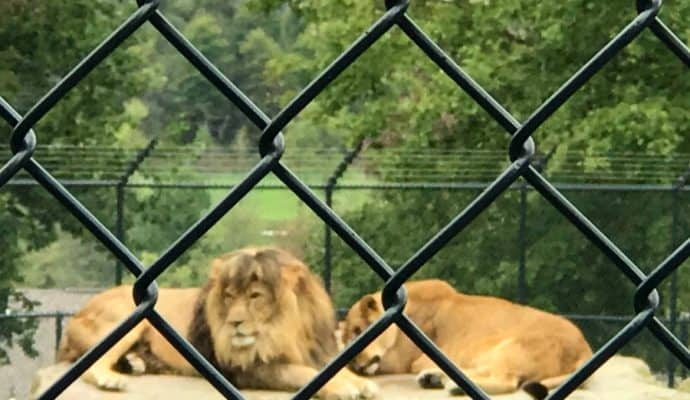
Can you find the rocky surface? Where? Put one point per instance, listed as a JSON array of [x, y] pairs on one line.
[[621, 378]]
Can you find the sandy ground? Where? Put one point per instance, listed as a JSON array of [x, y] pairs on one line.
[[623, 378]]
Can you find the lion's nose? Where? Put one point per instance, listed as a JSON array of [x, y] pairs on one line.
[[235, 323], [362, 368], [356, 367]]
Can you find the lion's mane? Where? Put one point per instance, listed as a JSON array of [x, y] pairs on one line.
[[300, 331]]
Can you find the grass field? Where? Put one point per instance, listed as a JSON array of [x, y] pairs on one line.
[[276, 205]]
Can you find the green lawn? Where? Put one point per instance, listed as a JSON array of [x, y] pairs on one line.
[[274, 205]]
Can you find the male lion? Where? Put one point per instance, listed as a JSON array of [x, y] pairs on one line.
[[263, 319], [501, 346]]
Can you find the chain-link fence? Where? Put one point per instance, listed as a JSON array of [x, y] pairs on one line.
[[271, 148]]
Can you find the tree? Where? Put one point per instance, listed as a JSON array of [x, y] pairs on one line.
[[521, 52], [41, 42], [142, 90], [239, 44]]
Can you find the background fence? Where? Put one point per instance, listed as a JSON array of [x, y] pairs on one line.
[[347, 178]]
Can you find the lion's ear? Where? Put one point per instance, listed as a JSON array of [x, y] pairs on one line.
[[368, 304], [216, 267], [291, 274]]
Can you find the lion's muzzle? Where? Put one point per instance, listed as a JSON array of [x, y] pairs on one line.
[[242, 340]]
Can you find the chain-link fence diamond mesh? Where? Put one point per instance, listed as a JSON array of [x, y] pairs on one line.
[[521, 150]]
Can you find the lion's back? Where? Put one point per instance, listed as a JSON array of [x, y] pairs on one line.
[[84, 327], [108, 308]]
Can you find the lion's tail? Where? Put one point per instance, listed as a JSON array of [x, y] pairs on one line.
[[539, 390]]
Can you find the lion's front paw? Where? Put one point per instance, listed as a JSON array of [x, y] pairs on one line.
[[430, 379], [367, 389], [453, 388], [136, 364], [106, 380], [339, 390], [345, 386]]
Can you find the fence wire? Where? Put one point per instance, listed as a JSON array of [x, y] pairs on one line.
[[23, 143]]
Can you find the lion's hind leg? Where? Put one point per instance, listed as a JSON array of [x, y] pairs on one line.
[[488, 382], [509, 365], [429, 376], [464, 356], [434, 378]]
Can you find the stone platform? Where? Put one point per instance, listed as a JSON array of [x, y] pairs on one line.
[[622, 378]]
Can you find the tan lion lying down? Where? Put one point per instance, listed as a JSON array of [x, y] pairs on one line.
[[501, 346], [264, 319]]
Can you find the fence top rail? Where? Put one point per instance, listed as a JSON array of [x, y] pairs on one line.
[[684, 318], [194, 166], [47, 314]]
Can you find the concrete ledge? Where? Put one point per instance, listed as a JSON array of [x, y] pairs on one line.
[[623, 378]]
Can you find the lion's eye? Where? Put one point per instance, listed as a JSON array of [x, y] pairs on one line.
[[254, 295]]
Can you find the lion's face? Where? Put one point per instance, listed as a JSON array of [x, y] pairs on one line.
[[247, 296], [362, 314], [246, 309]]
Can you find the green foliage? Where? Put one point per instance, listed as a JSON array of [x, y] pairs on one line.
[[521, 52], [12, 330], [44, 40], [68, 261], [140, 91], [18, 331], [251, 222], [239, 43]]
